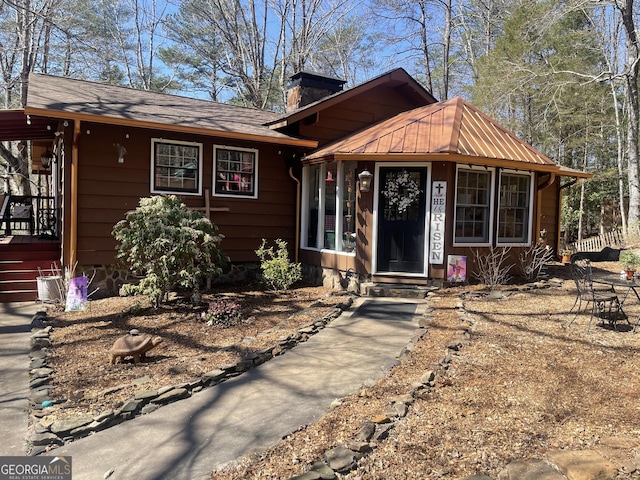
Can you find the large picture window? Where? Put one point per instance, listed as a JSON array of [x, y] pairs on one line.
[[473, 206], [515, 209], [235, 172], [176, 167]]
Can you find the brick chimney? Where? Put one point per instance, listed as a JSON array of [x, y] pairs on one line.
[[306, 87]]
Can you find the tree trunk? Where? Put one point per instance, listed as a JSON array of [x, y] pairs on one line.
[[631, 94]]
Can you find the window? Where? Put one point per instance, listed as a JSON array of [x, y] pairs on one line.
[[329, 202], [473, 206], [515, 208], [235, 172], [176, 167]]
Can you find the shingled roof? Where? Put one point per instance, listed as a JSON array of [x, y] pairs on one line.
[[452, 130], [65, 98]]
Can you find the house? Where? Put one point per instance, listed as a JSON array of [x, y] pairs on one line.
[[321, 176]]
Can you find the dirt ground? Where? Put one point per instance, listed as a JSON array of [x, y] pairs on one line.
[[524, 384], [85, 381]]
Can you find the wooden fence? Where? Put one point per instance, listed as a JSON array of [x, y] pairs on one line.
[[615, 239]]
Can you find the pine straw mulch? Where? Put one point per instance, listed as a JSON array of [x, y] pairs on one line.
[[87, 384], [523, 385]]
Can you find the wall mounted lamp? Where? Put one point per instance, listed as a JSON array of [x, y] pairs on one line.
[[46, 158], [365, 177]]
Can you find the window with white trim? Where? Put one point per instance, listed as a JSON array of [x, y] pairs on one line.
[[235, 172], [328, 193], [473, 206], [176, 167], [514, 213]]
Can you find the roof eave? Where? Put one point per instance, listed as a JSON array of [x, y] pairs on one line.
[[290, 141], [438, 156]]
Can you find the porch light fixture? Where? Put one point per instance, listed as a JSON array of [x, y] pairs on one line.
[[365, 177], [46, 158]]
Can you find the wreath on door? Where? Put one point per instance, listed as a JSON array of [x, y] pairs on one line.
[[401, 190]]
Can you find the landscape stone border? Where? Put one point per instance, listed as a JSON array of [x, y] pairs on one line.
[[560, 464], [44, 435], [344, 458]]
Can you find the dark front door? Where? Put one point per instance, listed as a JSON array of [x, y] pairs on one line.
[[401, 219]]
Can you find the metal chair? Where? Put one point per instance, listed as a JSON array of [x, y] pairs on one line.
[[605, 303]]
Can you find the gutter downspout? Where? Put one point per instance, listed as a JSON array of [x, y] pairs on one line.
[[297, 236]]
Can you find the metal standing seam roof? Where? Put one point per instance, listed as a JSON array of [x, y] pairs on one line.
[[452, 129], [67, 98]]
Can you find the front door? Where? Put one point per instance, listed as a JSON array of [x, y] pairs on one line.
[[401, 219]]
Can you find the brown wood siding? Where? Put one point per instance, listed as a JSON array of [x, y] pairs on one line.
[[354, 114], [108, 189]]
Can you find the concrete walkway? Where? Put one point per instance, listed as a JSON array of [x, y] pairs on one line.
[[15, 329], [187, 439]]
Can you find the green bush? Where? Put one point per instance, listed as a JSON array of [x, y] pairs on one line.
[[169, 245], [278, 272]]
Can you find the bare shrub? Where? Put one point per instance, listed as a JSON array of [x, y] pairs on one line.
[[492, 269], [534, 259]]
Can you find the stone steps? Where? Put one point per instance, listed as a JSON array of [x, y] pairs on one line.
[[394, 290]]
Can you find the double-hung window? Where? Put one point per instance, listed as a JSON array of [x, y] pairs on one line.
[[176, 167], [514, 214], [474, 188], [235, 172]]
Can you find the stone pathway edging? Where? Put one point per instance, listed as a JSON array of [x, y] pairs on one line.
[[43, 435], [344, 458], [557, 465]]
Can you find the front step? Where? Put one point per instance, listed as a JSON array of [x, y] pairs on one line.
[[20, 264], [395, 290]]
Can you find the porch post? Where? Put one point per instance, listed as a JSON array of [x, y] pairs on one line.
[[73, 230]]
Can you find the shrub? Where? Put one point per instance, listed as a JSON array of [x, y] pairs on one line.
[[169, 246], [533, 261], [278, 272], [493, 269], [224, 313]]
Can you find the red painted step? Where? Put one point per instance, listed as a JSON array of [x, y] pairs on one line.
[[21, 263]]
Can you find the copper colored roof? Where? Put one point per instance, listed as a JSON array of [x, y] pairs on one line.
[[451, 130], [65, 98]]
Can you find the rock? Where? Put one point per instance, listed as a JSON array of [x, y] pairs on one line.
[[582, 465], [397, 409], [172, 396], [38, 363], [45, 439], [359, 447], [149, 408], [379, 419], [41, 372], [522, 470], [38, 343], [145, 394], [213, 376], [340, 459], [382, 431], [64, 426], [325, 472], [39, 396], [130, 405], [366, 432]]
